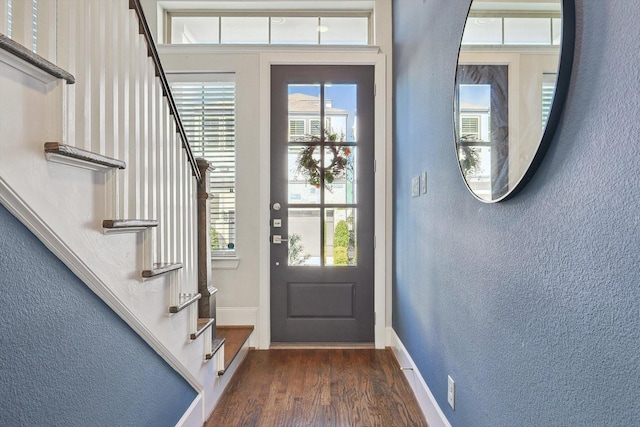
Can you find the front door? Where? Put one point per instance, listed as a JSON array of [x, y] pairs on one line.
[[322, 201]]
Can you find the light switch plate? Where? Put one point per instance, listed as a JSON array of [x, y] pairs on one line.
[[451, 392], [415, 186], [423, 182]]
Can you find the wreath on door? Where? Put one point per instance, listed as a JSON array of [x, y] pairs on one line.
[[308, 165]]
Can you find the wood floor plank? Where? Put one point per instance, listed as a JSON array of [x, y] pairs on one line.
[[318, 387]]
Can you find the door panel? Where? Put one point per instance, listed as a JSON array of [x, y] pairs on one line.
[[322, 199]]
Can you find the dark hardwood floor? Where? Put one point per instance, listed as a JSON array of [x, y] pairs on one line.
[[318, 387]]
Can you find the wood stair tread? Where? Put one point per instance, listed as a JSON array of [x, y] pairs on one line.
[[185, 301], [127, 224], [32, 58], [203, 324], [234, 338], [73, 156], [161, 268]]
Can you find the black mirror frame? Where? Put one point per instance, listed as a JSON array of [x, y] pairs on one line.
[[563, 82]]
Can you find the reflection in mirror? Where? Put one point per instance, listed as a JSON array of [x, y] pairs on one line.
[[512, 74]]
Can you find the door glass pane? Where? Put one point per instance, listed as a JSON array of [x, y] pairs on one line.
[[340, 236], [340, 174], [304, 112], [304, 174], [341, 102], [304, 236], [294, 30]]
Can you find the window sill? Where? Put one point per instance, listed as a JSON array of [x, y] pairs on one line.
[[225, 263]]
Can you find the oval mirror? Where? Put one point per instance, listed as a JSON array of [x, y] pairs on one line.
[[512, 77]]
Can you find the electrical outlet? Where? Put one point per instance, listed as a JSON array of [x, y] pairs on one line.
[[451, 392]]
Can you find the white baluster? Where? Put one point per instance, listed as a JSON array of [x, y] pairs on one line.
[[133, 184], [160, 177], [152, 199], [66, 58], [193, 232], [146, 141], [121, 59], [180, 219], [84, 99], [22, 22], [186, 229], [189, 199], [154, 106], [112, 102], [47, 29], [4, 17], [166, 189], [172, 205], [99, 103]]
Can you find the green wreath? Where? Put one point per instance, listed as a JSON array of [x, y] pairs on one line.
[[311, 169]]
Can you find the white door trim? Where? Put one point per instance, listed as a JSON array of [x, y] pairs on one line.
[[378, 60]]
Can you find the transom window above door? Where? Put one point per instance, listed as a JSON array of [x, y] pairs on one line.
[[269, 28]]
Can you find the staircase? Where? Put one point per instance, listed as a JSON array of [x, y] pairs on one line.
[[96, 163]]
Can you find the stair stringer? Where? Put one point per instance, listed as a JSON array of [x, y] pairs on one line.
[[64, 207]]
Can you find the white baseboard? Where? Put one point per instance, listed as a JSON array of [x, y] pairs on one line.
[[193, 417], [232, 316], [430, 408]]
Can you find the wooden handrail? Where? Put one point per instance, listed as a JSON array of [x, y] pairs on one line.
[[166, 89], [34, 59]]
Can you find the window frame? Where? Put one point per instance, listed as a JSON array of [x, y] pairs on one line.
[[502, 15], [365, 13], [217, 78]]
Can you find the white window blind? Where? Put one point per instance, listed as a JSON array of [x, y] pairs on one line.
[[315, 127], [9, 19], [296, 127], [548, 89], [206, 104], [470, 126], [34, 22]]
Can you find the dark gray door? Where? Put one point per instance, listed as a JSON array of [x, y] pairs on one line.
[[322, 200]]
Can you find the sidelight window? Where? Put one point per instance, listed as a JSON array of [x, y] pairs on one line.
[[206, 104]]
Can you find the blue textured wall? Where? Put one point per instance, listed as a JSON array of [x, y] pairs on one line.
[[65, 358], [531, 305]]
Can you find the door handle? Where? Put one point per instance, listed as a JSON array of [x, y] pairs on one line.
[[276, 239]]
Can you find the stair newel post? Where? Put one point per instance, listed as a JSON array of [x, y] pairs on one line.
[[206, 304]]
